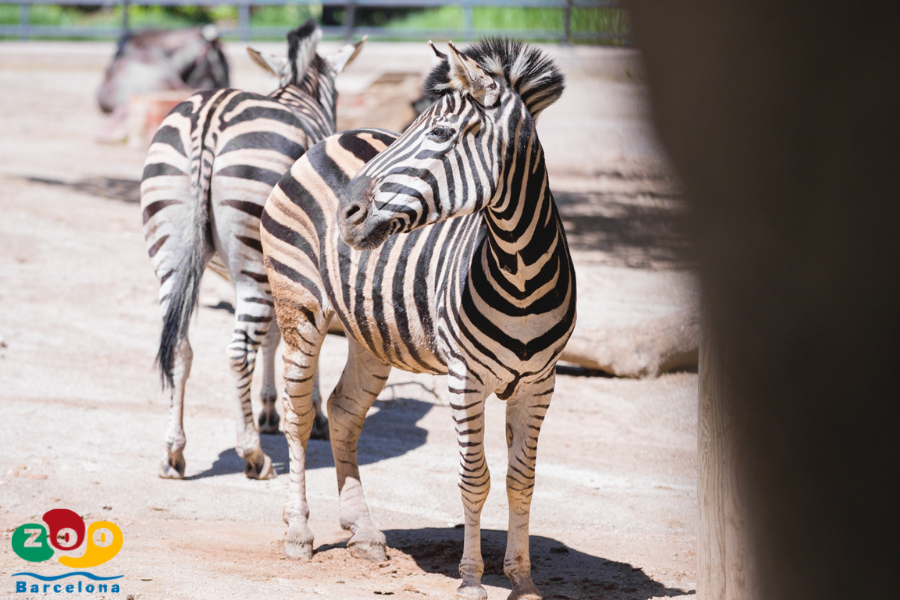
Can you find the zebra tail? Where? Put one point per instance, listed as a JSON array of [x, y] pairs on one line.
[[197, 240]]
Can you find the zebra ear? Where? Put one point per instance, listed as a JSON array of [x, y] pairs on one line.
[[276, 65], [343, 57], [437, 53], [468, 76]]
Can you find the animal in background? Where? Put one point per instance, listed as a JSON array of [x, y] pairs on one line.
[[150, 61], [441, 251], [210, 168]]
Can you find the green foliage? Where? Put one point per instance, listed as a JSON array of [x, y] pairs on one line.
[[545, 23], [289, 15], [495, 20], [445, 17]]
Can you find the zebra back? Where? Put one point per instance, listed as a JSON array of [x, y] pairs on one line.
[[222, 152]]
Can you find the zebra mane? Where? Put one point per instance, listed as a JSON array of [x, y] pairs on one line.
[[302, 44], [527, 70]]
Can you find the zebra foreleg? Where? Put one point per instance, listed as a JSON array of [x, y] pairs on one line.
[[269, 419], [524, 416], [363, 379], [301, 353], [467, 396], [173, 463]]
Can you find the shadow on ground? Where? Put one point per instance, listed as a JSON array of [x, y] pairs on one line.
[[390, 432], [628, 233], [560, 572], [126, 190]]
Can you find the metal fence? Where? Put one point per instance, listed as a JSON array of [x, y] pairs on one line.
[[348, 29]]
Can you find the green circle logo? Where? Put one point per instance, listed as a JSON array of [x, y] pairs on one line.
[[29, 541]]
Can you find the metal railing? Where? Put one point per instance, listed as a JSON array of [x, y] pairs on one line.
[[25, 30]]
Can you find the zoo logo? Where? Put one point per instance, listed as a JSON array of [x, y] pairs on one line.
[[33, 543], [67, 533]]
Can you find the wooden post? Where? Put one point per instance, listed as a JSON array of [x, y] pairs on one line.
[[567, 23], [724, 570]]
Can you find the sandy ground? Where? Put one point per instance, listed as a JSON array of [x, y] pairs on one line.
[[83, 416]]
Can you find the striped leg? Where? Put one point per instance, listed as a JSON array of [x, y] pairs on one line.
[[363, 379], [524, 416], [467, 397], [252, 322], [302, 341], [172, 465], [268, 417]]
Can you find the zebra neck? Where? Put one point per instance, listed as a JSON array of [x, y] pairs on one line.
[[524, 231]]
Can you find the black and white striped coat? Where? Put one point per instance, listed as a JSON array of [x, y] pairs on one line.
[[441, 251], [210, 168]]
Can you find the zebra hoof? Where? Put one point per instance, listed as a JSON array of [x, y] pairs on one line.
[[172, 467], [367, 550], [298, 543], [471, 592], [320, 427], [260, 470], [527, 591], [268, 422]]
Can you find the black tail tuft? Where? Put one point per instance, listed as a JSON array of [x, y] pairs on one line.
[[182, 301]]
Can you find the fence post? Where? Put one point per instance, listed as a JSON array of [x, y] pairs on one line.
[[468, 25], [349, 19], [125, 4], [24, 19], [244, 21], [568, 22]]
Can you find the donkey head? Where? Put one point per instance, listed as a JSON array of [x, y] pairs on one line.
[[455, 158]]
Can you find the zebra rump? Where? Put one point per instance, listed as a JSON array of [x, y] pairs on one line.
[[186, 287]]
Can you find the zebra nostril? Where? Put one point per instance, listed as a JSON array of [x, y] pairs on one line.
[[354, 214]]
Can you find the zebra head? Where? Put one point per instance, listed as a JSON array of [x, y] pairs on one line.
[[459, 156], [294, 69]]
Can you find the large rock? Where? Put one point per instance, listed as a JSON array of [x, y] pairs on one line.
[[634, 322]]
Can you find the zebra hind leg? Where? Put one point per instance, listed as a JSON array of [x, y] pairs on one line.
[[269, 419], [173, 464], [524, 416], [363, 379], [320, 425], [252, 323]]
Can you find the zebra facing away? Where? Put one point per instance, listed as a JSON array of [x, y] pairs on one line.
[[441, 251], [210, 168]]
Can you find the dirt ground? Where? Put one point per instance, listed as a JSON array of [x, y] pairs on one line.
[[83, 416]]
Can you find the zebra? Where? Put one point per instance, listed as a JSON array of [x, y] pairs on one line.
[[441, 251], [161, 60], [209, 170]]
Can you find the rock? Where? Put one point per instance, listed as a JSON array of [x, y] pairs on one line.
[[633, 322]]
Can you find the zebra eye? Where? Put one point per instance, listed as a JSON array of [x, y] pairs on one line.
[[441, 133]]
